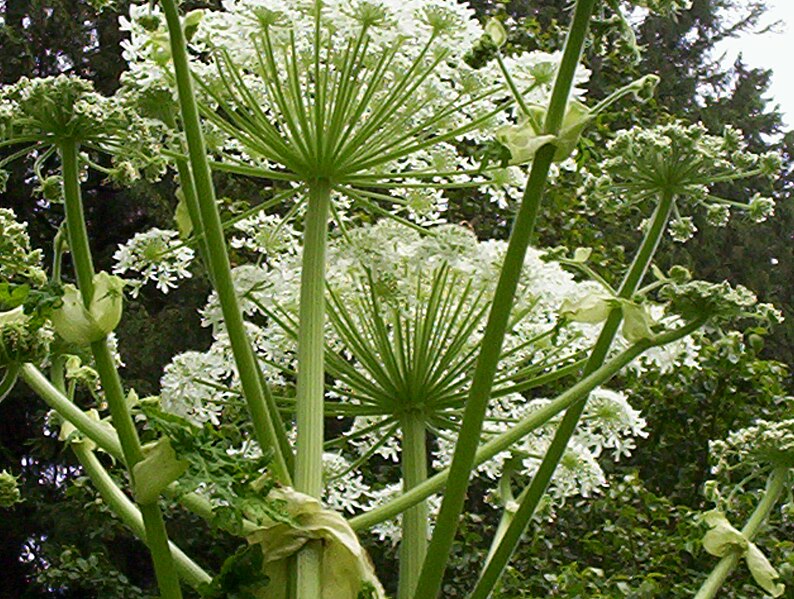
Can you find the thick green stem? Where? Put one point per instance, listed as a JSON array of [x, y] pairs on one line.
[[311, 373], [413, 545], [537, 418], [193, 209], [774, 489], [157, 537], [488, 359], [532, 495], [118, 503], [265, 423]]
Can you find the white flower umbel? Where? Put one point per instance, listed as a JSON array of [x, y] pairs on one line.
[[375, 96], [403, 272], [157, 256]]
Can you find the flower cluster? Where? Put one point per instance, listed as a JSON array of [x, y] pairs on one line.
[[686, 162], [155, 255], [384, 281], [763, 445], [49, 110], [18, 261], [25, 335], [608, 423], [717, 301], [388, 79], [264, 234]]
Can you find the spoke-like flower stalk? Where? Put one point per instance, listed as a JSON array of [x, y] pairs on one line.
[[525, 426]]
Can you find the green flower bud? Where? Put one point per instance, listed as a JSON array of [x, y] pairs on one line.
[[149, 22], [637, 322], [158, 469], [9, 492], [524, 139], [591, 309], [79, 325], [582, 255], [191, 22], [182, 217], [761, 208], [51, 189], [496, 32]]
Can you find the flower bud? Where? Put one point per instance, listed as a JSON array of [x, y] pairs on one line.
[[9, 492], [78, 324], [496, 32]]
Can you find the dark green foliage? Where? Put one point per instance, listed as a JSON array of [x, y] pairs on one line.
[[238, 487], [240, 576]]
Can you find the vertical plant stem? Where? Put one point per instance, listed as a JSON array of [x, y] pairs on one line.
[[311, 373], [192, 203], [265, 423], [490, 349], [774, 489], [532, 495], [156, 535], [413, 545], [118, 503]]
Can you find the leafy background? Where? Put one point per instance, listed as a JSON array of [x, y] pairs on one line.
[[636, 540]]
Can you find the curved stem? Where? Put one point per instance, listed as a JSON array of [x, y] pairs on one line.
[[167, 579], [491, 345], [9, 380], [413, 545], [774, 489], [265, 423], [311, 373], [534, 492], [117, 501]]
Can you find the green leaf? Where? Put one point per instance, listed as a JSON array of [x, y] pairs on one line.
[[241, 576]]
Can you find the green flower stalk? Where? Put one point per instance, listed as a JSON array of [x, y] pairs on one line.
[[60, 116], [676, 166], [156, 535], [460, 470], [741, 544], [265, 422]]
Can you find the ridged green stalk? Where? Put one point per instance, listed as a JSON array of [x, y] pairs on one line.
[[118, 503], [265, 423], [156, 535], [311, 374], [532, 495], [774, 489], [491, 346], [413, 545]]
